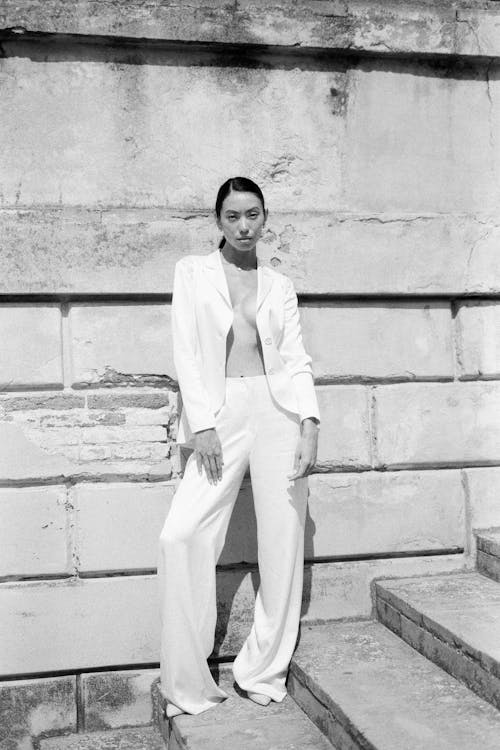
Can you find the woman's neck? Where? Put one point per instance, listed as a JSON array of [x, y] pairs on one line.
[[244, 259]]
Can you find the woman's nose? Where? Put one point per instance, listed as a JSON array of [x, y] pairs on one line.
[[243, 226]]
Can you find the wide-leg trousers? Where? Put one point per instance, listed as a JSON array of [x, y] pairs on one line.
[[255, 432]]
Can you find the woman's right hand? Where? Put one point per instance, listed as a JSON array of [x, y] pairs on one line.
[[208, 452]]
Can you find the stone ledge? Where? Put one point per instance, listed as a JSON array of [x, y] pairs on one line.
[[391, 28]]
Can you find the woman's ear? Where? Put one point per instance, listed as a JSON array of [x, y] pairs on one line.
[[266, 214]]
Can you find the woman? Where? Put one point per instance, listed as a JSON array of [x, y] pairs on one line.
[[248, 401]]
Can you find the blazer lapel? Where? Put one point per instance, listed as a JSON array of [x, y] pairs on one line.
[[264, 283], [216, 275]]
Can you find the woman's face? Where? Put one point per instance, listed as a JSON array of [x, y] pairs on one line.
[[241, 219]]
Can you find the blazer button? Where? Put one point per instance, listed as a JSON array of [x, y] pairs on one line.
[[271, 371], [267, 341]]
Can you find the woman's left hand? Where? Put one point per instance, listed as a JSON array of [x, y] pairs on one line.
[[307, 448]]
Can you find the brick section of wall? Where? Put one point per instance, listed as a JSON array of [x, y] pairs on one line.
[[115, 343], [75, 620], [127, 431], [34, 532], [378, 340], [437, 424], [478, 325], [31, 346]]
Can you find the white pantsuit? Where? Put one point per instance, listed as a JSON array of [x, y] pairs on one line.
[[254, 432], [258, 420]]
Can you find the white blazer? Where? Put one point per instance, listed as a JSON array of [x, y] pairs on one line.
[[202, 316]]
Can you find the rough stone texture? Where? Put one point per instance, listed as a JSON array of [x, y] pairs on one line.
[[377, 513], [146, 738], [127, 250], [488, 552], [366, 688], [393, 27], [478, 325], [34, 531], [76, 619], [344, 438], [31, 346], [488, 565], [373, 340], [437, 424], [126, 129], [239, 723], [488, 540], [483, 491], [461, 614], [412, 142], [118, 525], [122, 433], [117, 699], [33, 708], [98, 333]]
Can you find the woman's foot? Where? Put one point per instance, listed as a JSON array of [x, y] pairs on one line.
[[262, 700], [172, 711]]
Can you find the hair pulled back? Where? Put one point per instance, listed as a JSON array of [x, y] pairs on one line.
[[239, 184]]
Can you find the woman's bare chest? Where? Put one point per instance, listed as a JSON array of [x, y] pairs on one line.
[[242, 286]]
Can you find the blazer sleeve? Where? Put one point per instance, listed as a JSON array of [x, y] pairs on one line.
[[195, 399], [296, 359]]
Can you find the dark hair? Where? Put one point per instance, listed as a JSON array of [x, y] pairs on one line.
[[240, 184]]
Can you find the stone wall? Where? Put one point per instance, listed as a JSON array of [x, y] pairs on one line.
[[373, 129]]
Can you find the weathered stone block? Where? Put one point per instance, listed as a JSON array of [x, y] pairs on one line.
[[372, 340], [482, 492], [384, 512], [134, 250], [117, 699], [33, 708], [118, 525], [31, 346], [344, 439], [98, 332], [34, 531], [478, 325], [427, 149], [117, 130], [76, 619], [437, 424]]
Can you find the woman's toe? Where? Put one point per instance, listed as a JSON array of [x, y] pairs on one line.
[[262, 700]]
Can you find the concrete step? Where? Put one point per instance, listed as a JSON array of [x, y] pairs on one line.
[[488, 552], [132, 738], [453, 620], [240, 724], [369, 690]]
